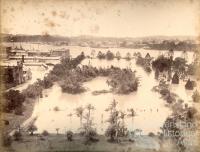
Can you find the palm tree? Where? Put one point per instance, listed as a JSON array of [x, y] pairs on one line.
[[185, 55], [112, 106], [70, 115], [118, 56], [122, 116], [89, 107], [93, 53], [131, 114], [57, 129], [79, 113], [128, 56]]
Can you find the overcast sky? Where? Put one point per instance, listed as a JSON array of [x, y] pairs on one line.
[[100, 18]]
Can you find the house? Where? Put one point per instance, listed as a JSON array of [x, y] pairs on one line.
[[14, 73]]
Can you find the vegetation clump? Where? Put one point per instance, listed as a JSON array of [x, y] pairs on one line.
[[175, 79], [88, 132], [144, 62], [162, 63], [31, 128], [128, 56], [17, 136], [109, 55], [116, 126], [101, 55], [123, 81], [69, 135], [196, 96], [189, 85], [45, 133], [13, 102], [6, 140]]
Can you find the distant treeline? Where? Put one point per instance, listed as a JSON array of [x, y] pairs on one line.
[[167, 45], [33, 38], [187, 44]]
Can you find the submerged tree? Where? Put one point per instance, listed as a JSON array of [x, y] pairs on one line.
[[128, 56], [189, 85], [116, 126], [32, 128], [131, 114], [88, 130], [79, 113], [109, 55], [118, 55], [196, 96], [93, 53], [175, 78]]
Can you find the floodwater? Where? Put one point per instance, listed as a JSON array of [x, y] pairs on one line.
[[150, 109]]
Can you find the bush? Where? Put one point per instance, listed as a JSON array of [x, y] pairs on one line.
[[151, 134], [101, 55], [19, 110], [189, 85], [90, 136], [7, 140], [196, 96], [175, 78], [45, 133], [69, 135], [161, 63], [13, 99], [109, 55], [32, 128], [56, 108], [33, 90], [17, 135]]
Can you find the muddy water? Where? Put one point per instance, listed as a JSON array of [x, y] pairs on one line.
[[150, 109]]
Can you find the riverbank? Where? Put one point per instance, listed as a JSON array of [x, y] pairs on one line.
[[54, 142], [17, 120]]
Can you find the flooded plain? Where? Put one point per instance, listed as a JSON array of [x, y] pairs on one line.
[[150, 109]]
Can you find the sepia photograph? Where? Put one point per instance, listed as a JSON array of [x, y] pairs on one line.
[[100, 75]]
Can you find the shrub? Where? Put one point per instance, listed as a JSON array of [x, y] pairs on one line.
[[161, 63], [196, 96], [19, 110], [17, 135], [109, 55], [151, 134], [31, 129], [69, 135], [7, 140], [45, 133], [90, 136], [101, 55], [175, 78], [33, 91], [56, 108], [189, 85], [13, 99]]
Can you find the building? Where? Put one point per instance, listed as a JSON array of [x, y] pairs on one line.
[[38, 53], [60, 52], [16, 53], [14, 73]]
